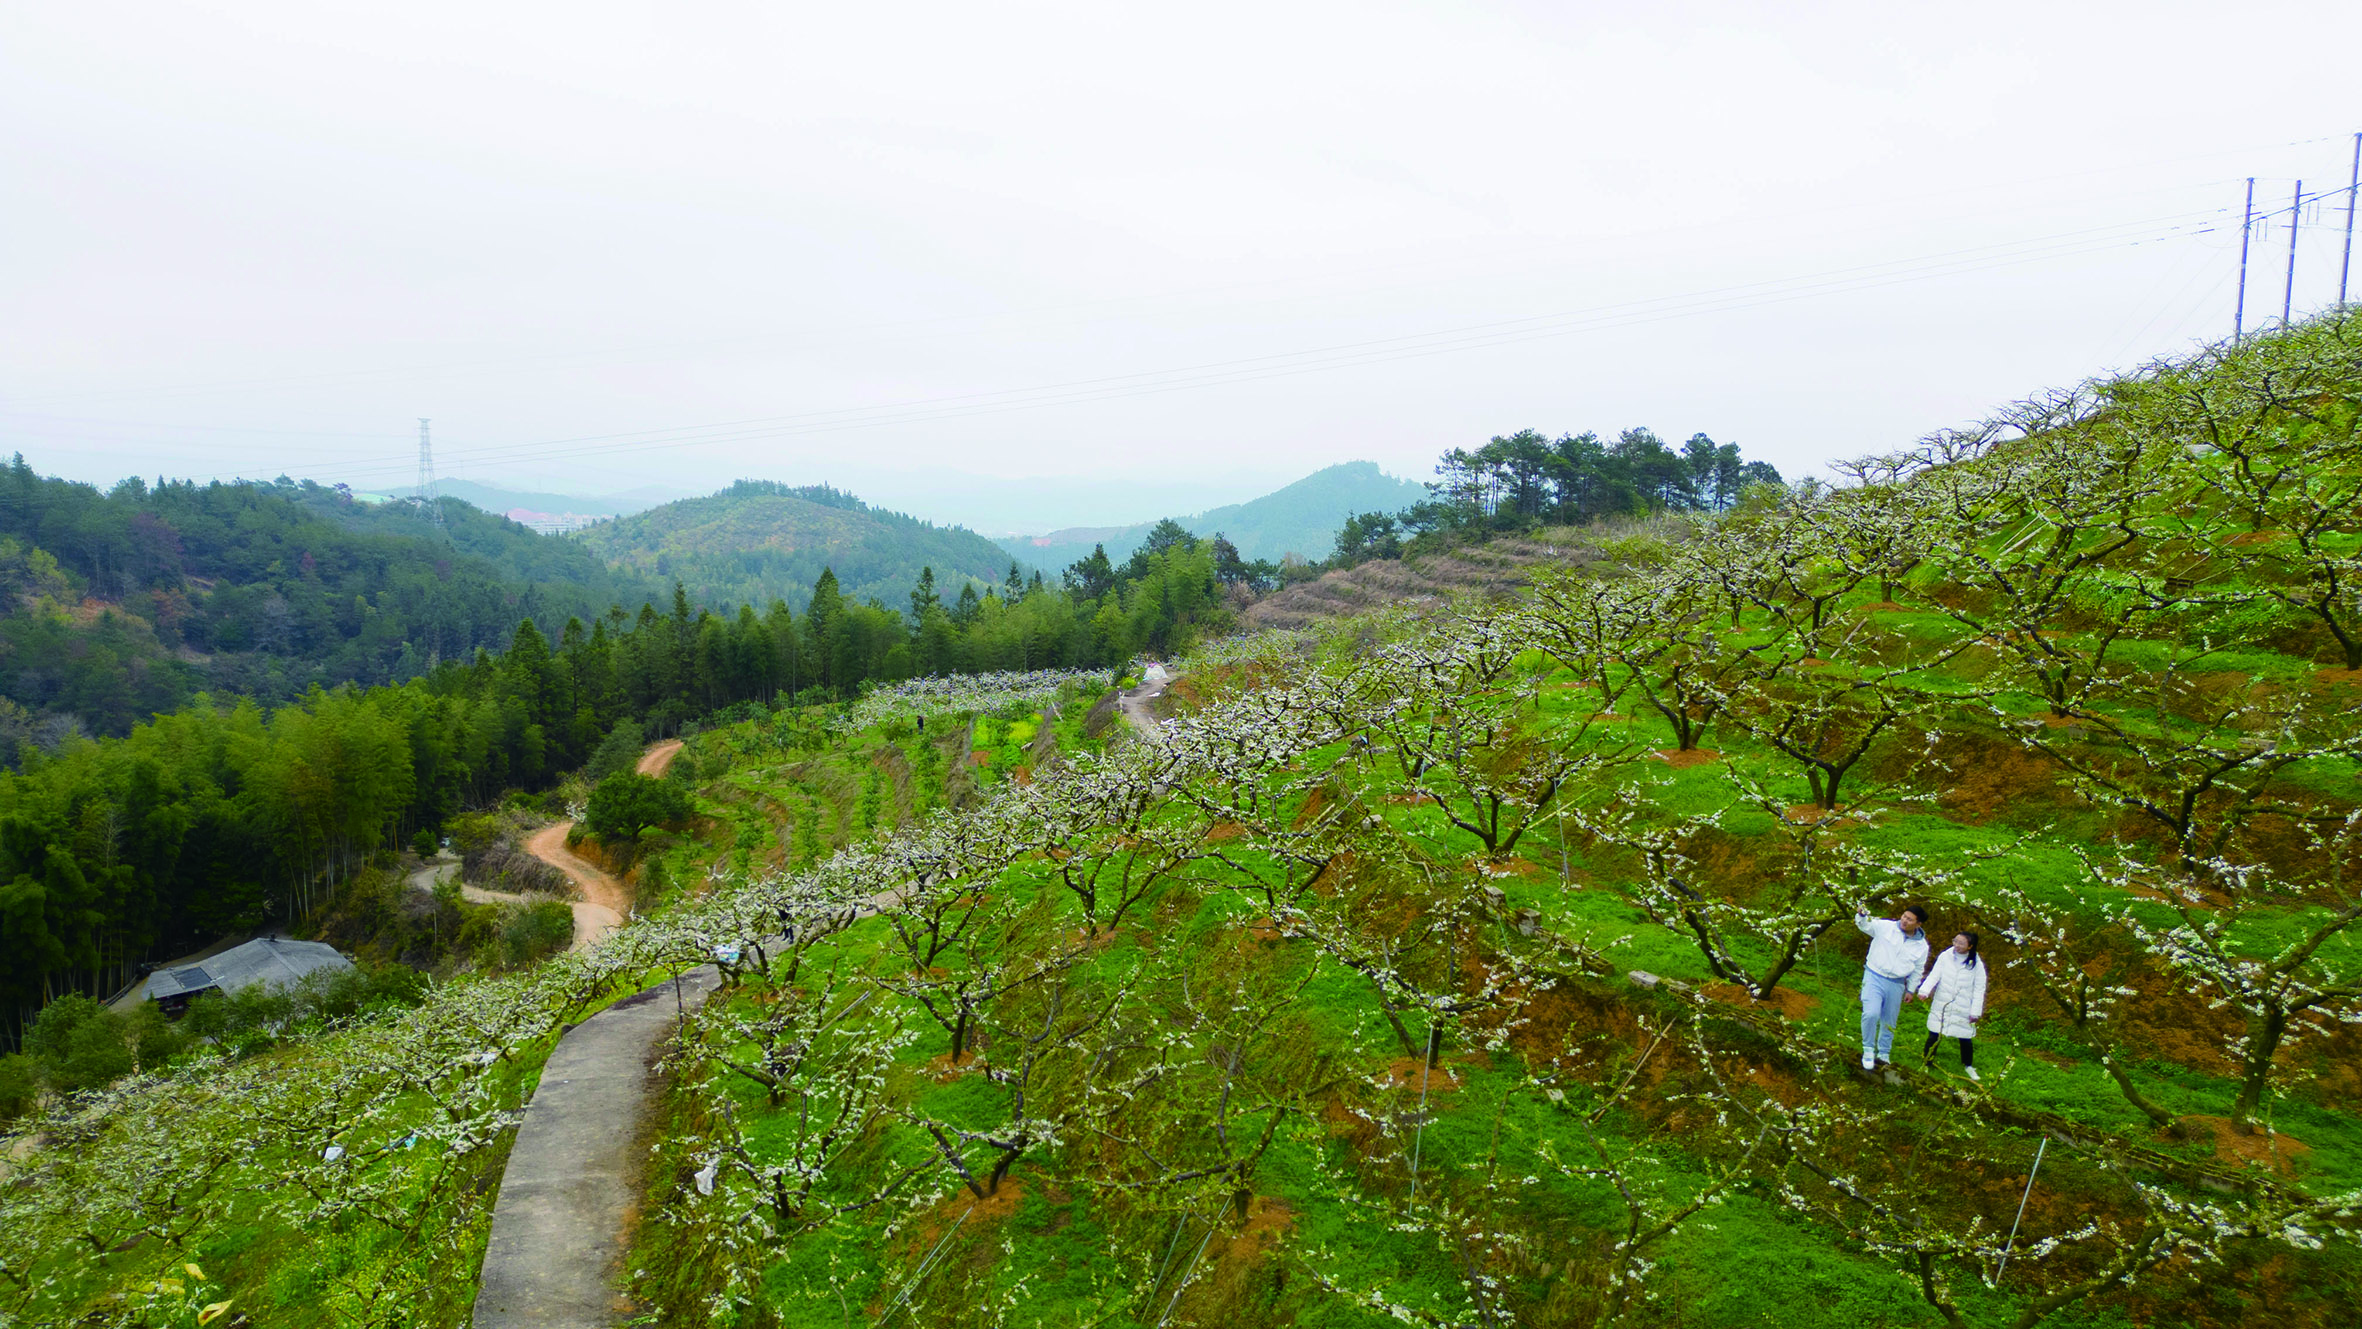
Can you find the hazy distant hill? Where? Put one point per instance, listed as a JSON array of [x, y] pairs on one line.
[[493, 498], [758, 541], [1302, 518]]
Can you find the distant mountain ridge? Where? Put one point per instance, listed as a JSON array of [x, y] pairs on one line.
[[760, 541], [1301, 518], [118, 604], [495, 498]]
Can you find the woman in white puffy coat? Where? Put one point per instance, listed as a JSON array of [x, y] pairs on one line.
[[1954, 990]]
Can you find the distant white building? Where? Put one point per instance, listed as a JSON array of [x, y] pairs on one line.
[[273, 960], [552, 523]]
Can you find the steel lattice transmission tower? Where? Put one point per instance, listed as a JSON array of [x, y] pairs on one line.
[[428, 498]]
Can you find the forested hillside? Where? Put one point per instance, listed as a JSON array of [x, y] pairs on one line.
[[759, 541], [117, 605]]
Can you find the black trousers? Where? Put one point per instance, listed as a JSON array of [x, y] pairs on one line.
[[1968, 1048]]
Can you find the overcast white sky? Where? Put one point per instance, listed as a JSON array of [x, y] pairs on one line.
[[1032, 265]]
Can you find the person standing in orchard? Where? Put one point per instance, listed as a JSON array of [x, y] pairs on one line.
[[1898, 952], [1955, 993]]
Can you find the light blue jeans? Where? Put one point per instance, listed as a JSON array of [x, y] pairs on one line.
[[1882, 1006]]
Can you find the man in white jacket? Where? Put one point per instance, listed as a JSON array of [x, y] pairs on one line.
[[1898, 954]]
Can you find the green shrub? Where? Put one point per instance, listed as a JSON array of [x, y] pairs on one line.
[[626, 804], [871, 810], [78, 1043], [20, 1086], [473, 832], [616, 752], [536, 930], [244, 1021], [153, 1039]]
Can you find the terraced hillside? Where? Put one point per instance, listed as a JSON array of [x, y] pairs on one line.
[[1495, 966], [1473, 964]]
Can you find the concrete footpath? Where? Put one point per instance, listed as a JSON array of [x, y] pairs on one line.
[[572, 1182]]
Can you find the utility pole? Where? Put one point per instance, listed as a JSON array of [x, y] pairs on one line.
[[2296, 208], [2353, 186], [2246, 224], [428, 499]]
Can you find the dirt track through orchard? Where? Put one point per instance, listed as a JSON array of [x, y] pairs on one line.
[[656, 760], [604, 900], [1134, 703]]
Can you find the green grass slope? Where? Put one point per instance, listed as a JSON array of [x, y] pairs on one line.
[[757, 542]]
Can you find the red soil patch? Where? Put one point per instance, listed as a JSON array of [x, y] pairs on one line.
[[2337, 676], [1000, 1204], [1681, 761], [1407, 1072], [1791, 1004], [1268, 1221], [1808, 812], [1315, 803], [943, 1068], [1991, 776], [1224, 830], [2264, 1149], [1266, 931], [980, 759], [1607, 717], [2062, 721], [1812, 662], [1022, 775], [1889, 607], [1082, 937], [1509, 865], [1410, 800]]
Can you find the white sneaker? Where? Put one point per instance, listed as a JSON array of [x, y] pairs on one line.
[[1972, 1073], [1869, 1061]]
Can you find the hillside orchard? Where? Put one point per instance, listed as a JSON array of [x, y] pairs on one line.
[[1466, 965]]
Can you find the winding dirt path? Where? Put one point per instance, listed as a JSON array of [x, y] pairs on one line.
[[604, 901], [1134, 702], [658, 759], [444, 866]]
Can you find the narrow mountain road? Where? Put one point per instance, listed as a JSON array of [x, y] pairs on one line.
[[445, 867], [604, 902], [1134, 702], [657, 760]]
